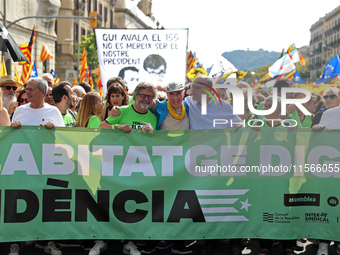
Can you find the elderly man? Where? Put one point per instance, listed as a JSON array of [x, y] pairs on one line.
[[37, 112], [79, 90], [49, 78], [221, 111], [172, 113], [8, 88]]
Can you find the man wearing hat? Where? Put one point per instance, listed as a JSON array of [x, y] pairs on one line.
[[8, 87], [172, 113]]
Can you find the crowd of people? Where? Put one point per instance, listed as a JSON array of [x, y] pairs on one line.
[[40, 102]]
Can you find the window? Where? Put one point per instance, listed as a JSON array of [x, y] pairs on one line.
[[95, 5], [100, 9], [105, 14], [89, 6], [75, 32]]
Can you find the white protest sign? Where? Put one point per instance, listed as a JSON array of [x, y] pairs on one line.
[[156, 56]]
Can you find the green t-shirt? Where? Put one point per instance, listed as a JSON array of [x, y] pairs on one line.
[[134, 119], [94, 122], [294, 115], [69, 120], [307, 122]]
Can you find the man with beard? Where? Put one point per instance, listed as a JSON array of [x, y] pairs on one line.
[[62, 96], [136, 116], [8, 87]]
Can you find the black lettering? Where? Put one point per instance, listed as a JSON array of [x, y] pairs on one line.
[[84, 202], [178, 210], [119, 206], [11, 213], [52, 209], [158, 206]]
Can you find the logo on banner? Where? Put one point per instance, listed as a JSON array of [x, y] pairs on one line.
[[316, 218], [333, 201], [269, 217], [302, 199]]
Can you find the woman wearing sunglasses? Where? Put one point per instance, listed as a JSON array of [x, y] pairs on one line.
[[21, 100], [331, 100]]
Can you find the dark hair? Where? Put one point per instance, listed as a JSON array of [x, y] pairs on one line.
[[144, 85], [154, 61], [23, 91], [116, 89], [115, 79], [128, 68], [282, 83], [86, 86], [60, 90]]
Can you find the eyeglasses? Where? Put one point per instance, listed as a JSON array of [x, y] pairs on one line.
[[331, 97], [143, 96], [160, 73], [22, 100], [11, 87]]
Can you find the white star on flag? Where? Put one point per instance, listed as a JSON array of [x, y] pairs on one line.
[[245, 205]]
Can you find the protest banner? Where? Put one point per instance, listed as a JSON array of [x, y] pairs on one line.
[[83, 183], [156, 56]]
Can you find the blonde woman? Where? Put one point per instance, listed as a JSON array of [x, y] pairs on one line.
[[89, 111], [4, 117]]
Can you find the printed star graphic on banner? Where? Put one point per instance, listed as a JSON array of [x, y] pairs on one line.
[[296, 79], [245, 205], [33, 73]]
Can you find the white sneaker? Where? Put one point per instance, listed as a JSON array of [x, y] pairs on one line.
[[98, 247], [131, 249], [52, 249], [323, 249], [14, 249]]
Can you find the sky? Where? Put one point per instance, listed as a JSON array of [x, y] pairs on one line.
[[218, 26]]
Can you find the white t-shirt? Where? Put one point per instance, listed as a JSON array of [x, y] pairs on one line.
[[34, 117], [331, 118]]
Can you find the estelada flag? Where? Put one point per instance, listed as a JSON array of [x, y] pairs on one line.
[[45, 53]]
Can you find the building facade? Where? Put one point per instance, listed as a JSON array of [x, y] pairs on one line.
[[61, 34], [325, 41], [111, 14], [21, 30]]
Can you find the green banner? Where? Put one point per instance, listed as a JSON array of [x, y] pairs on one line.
[[81, 183]]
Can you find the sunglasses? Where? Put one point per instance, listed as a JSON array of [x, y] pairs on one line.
[[23, 100], [330, 97], [11, 87]]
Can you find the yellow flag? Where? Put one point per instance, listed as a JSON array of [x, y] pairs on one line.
[[240, 75], [3, 68], [192, 74]]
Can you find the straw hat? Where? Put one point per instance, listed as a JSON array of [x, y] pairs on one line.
[[5, 80]]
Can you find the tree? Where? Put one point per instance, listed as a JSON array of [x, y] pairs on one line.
[[91, 49]]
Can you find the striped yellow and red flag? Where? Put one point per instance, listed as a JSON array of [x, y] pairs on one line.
[[191, 61], [16, 76], [45, 53], [265, 78], [27, 48], [89, 77], [26, 73], [83, 66], [290, 75], [99, 85], [75, 81]]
